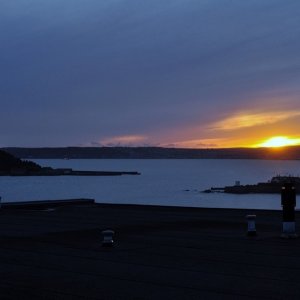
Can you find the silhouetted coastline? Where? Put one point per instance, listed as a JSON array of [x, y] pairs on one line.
[[286, 153], [273, 186], [12, 166]]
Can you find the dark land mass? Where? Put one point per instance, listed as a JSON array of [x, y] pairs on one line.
[[10, 163], [273, 186], [12, 166], [286, 153], [159, 253]]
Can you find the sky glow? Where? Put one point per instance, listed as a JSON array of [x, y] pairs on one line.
[[174, 73], [280, 141]]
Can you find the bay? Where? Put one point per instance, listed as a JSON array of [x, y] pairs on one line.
[[171, 182]]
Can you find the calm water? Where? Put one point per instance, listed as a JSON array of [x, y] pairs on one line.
[[163, 182]]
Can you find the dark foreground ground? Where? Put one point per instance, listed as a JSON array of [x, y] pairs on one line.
[[160, 253]]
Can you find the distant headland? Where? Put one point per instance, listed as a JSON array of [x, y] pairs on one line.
[[285, 153], [12, 166]]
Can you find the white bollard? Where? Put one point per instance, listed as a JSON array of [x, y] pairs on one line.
[[107, 238], [251, 225]]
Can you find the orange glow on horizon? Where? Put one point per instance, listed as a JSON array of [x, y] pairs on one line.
[[279, 141], [273, 142]]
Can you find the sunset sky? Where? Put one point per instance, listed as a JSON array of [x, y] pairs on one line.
[[175, 73]]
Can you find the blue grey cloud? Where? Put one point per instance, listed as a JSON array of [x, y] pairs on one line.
[[73, 72]]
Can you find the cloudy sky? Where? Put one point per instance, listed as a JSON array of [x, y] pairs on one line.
[[179, 73]]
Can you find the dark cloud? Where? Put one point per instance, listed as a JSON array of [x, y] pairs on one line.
[[79, 71]]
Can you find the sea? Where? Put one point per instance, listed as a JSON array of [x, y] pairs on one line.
[[169, 182]]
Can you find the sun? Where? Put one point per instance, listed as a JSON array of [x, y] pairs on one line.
[[280, 141]]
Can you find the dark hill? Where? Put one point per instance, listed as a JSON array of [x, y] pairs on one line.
[[9, 163], [292, 153]]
